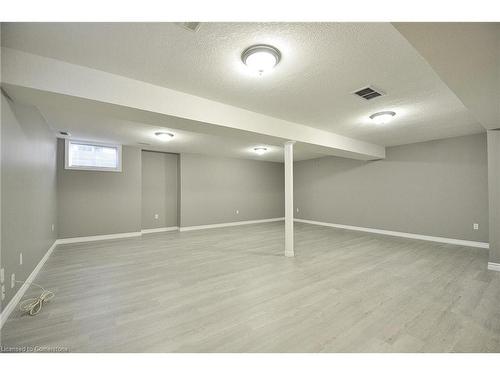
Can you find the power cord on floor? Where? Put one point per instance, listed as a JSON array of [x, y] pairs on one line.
[[33, 306]]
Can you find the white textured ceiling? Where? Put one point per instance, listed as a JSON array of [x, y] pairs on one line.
[[103, 128], [322, 64], [467, 58]]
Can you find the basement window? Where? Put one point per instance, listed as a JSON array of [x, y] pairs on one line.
[[92, 156]]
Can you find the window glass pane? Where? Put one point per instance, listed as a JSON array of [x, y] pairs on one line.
[[87, 155]]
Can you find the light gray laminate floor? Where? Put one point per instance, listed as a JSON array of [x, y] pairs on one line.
[[232, 290]]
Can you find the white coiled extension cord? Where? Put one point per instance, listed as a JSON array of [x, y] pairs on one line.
[[33, 306]]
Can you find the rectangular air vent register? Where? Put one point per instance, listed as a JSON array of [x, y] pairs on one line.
[[368, 93]]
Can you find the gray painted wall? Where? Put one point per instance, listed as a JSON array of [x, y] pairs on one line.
[[213, 188], [93, 203], [159, 189], [28, 195], [494, 193], [437, 188]]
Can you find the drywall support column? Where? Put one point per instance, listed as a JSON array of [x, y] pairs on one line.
[[494, 198], [289, 199]]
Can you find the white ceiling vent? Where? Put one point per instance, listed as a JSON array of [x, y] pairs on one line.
[[191, 26], [368, 93]]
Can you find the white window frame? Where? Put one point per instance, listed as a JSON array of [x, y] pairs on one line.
[[91, 143]]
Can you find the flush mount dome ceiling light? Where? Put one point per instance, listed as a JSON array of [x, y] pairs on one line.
[[164, 136], [260, 150], [382, 117], [261, 58]]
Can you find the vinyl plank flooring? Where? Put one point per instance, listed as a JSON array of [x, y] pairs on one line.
[[232, 290]]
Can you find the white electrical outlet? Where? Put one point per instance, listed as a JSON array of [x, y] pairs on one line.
[[476, 226], [157, 216], [237, 212], [21, 259], [2, 275], [12, 280], [53, 227], [3, 292], [297, 209]]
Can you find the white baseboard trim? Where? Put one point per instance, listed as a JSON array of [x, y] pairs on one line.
[[453, 241], [231, 224], [63, 241], [494, 266], [20, 292], [158, 230]]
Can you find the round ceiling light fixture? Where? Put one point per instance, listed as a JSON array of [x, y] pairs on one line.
[[260, 150], [384, 117], [261, 58], [164, 136]]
